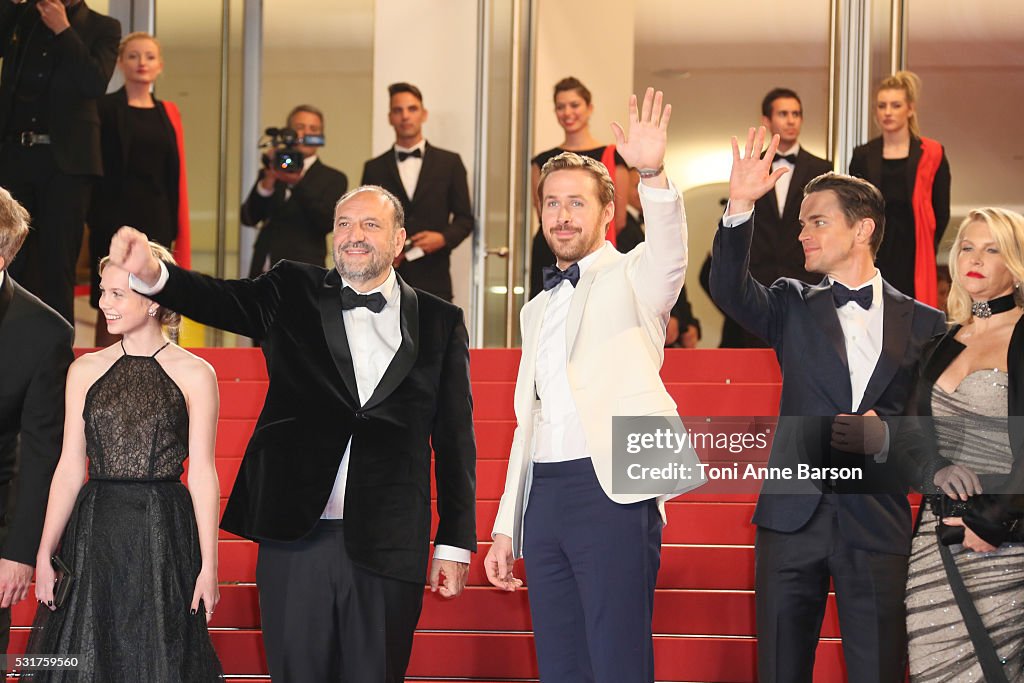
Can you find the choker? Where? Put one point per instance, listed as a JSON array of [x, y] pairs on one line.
[[987, 309]]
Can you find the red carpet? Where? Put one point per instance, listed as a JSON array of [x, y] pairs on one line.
[[704, 610]]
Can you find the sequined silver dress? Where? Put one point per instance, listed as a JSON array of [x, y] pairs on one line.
[[970, 430]]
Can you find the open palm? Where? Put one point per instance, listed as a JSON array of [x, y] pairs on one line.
[[643, 146]]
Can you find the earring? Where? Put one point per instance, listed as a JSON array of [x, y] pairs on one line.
[[152, 312]]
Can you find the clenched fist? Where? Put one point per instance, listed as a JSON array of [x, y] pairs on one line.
[[129, 250]]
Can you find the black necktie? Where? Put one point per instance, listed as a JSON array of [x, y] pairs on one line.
[[553, 276], [350, 299], [791, 158], [842, 296], [402, 156]]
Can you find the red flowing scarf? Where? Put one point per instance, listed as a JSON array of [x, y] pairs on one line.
[[183, 242], [608, 159], [925, 286]]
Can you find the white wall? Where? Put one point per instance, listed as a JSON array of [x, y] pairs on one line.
[[432, 44], [593, 41]]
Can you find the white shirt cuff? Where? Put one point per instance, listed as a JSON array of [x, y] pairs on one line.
[[262, 192], [659, 194], [735, 219], [141, 287], [450, 552]]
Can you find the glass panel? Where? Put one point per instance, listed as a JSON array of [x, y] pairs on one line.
[[497, 200], [970, 57], [191, 40], [321, 55], [715, 73]]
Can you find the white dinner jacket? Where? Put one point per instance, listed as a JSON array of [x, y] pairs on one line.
[[615, 345]]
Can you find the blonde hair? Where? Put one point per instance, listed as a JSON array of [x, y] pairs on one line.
[[138, 35], [571, 161], [910, 83], [166, 316], [1007, 229], [14, 220]]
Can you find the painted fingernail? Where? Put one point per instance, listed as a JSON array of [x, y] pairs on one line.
[[193, 612]]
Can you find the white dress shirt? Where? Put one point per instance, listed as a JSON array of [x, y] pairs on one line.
[[782, 185], [560, 434], [374, 339], [2, 273], [409, 170]]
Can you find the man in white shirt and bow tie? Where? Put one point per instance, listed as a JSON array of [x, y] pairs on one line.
[[847, 347], [592, 348], [367, 376], [431, 184]]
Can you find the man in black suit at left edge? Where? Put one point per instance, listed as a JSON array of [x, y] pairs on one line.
[[58, 56], [431, 184], [366, 375], [35, 352]]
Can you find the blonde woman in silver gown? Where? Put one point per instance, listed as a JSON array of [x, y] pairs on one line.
[[972, 384]]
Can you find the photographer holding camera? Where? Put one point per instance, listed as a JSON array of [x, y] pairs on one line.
[[293, 199]]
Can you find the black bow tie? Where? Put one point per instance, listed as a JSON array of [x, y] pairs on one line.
[[553, 276], [350, 299], [791, 158], [402, 156], [842, 296]]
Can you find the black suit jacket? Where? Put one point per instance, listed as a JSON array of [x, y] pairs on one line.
[[799, 321], [441, 203], [116, 144], [312, 409], [87, 52], [35, 352], [866, 163], [294, 228]]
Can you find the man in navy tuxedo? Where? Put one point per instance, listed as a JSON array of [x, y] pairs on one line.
[[847, 348]]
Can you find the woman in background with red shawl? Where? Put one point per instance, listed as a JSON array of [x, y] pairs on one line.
[[573, 107], [912, 173], [143, 183]]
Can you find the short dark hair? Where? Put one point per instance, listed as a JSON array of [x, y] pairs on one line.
[[307, 109], [396, 88], [858, 199], [572, 83], [775, 94]]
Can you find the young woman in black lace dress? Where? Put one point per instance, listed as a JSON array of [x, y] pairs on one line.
[[141, 547]]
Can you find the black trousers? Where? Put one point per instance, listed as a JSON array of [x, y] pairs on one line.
[[327, 619], [57, 203], [792, 582]]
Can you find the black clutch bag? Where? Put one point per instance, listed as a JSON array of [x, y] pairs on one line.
[[943, 506], [65, 577]]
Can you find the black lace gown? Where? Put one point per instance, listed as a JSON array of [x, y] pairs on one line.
[[131, 542]]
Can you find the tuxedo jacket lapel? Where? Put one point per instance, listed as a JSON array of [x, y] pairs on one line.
[[428, 170], [897, 315], [408, 350], [823, 309], [334, 332], [579, 297], [391, 162]]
